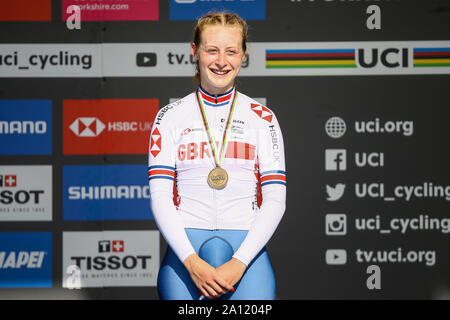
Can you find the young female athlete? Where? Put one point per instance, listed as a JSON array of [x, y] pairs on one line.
[[210, 153]]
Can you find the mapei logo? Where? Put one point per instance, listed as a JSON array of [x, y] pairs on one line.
[[21, 259], [87, 127], [25, 259], [155, 143], [262, 112]]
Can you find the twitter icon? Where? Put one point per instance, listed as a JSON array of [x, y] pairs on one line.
[[335, 193]]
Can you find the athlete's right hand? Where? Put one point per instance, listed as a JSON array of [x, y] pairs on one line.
[[205, 277]]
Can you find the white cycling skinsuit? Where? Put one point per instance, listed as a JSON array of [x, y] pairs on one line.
[[180, 152]]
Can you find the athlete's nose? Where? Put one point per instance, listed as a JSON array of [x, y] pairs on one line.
[[221, 62]]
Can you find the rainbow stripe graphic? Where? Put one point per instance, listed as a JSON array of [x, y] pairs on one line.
[[311, 58], [431, 57]]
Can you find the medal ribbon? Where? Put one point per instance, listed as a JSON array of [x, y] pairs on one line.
[[225, 133]]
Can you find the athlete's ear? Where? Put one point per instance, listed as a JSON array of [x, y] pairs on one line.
[[194, 51], [245, 57]]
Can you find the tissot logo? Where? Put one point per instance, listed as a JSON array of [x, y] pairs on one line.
[[146, 59], [111, 246], [87, 127], [112, 258], [25, 193]]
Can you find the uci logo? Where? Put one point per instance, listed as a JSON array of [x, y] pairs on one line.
[[389, 57]]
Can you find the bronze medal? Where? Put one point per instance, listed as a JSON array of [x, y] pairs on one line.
[[218, 178]]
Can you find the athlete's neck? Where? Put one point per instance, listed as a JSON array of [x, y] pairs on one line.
[[216, 95], [216, 91]]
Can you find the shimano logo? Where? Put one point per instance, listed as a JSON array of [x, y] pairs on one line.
[[21, 259], [23, 127], [108, 192]]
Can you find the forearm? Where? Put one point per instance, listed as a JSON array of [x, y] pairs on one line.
[[170, 224], [265, 224]]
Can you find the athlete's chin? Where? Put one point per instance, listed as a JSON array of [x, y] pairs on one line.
[[221, 84]]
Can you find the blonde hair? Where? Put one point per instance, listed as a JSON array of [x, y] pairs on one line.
[[222, 18]]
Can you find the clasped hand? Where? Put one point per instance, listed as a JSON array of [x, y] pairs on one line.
[[213, 282]]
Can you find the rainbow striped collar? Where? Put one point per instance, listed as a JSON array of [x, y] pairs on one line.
[[216, 100]]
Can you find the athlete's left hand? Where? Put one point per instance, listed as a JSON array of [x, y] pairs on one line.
[[232, 271]]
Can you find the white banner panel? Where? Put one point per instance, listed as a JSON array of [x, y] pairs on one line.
[[265, 59], [110, 259], [25, 193]]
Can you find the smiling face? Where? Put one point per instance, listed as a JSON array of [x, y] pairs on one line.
[[220, 55]]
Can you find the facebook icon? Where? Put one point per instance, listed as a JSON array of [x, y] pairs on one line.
[[335, 159]]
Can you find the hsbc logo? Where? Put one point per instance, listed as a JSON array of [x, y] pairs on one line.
[[108, 126], [155, 143], [92, 127], [262, 112], [87, 127]]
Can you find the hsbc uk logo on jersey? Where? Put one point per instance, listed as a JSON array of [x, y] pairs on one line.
[[108, 126], [111, 258], [25, 193], [262, 112], [155, 142]]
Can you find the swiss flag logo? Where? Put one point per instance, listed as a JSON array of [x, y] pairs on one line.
[[10, 181], [262, 112], [118, 246], [155, 143]]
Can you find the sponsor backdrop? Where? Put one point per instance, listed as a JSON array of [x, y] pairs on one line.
[[360, 89]]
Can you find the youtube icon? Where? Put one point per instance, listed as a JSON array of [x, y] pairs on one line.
[[146, 59], [336, 257]]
